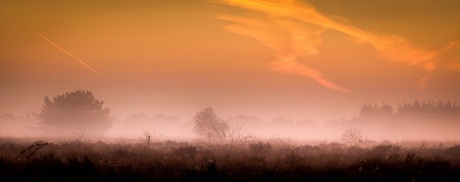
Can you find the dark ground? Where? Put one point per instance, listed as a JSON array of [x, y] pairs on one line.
[[22, 160]]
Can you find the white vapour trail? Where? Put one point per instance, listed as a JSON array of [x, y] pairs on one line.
[[68, 53], [293, 29]]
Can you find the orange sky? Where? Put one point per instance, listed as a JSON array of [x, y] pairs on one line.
[[300, 59]]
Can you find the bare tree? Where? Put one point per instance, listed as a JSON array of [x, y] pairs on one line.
[[352, 137], [210, 126]]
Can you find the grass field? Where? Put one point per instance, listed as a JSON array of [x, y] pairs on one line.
[[265, 160]]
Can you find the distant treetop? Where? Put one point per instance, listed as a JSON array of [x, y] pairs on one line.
[[427, 106], [77, 110]]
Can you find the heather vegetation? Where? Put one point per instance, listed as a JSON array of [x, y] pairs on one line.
[[267, 160]]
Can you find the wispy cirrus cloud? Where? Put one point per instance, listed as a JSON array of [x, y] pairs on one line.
[[293, 29]]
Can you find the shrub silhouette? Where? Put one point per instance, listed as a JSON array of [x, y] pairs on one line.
[[74, 111], [210, 126], [352, 137]]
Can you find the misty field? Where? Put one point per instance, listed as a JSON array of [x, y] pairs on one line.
[[265, 160]]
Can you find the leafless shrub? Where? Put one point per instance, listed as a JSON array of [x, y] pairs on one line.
[[352, 137], [210, 126], [238, 136], [152, 137]]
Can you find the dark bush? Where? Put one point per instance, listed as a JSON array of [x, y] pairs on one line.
[[164, 161]]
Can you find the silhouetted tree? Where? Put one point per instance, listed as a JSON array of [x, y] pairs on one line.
[[376, 109], [352, 137], [429, 107], [210, 126], [74, 111]]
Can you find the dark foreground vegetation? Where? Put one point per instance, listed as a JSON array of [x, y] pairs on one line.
[[270, 160]]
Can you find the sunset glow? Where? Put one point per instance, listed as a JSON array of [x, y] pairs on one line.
[[293, 29], [268, 60]]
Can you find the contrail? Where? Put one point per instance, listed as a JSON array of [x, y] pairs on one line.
[[68, 53]]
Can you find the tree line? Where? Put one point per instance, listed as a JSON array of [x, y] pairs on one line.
[[417, 106], [80, 110]]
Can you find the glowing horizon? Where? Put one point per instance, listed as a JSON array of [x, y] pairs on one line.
[[318, 60]]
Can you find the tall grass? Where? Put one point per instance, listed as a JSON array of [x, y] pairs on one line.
[[254, 160]]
